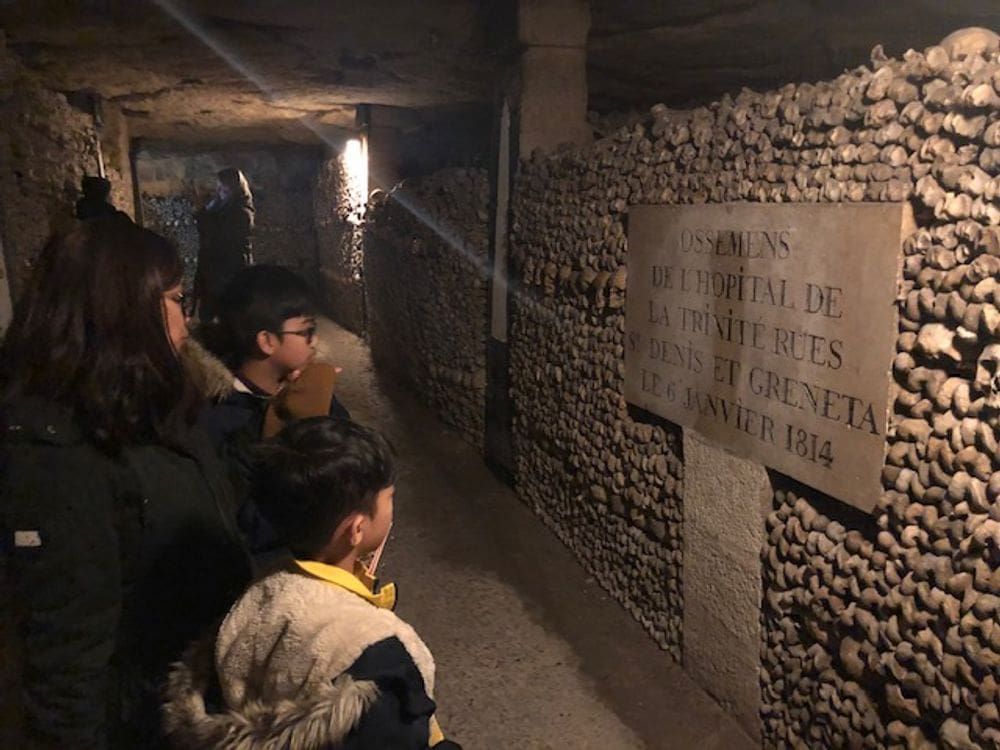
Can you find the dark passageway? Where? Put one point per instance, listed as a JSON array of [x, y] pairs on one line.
[[531, 652]]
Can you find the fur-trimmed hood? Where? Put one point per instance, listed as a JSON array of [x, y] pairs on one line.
[[331, 712], [279, 666], [209, 374]]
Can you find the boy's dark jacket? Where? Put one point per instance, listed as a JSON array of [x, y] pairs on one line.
[[303, 664], [111, 567], [234, 420]]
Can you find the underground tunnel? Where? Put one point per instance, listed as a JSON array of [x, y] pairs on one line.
[[682, 320]]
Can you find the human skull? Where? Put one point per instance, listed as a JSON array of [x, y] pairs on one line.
[[973, 40], [987, 382]]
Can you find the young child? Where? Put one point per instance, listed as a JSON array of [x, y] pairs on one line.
[[265, 336], [312, 655]]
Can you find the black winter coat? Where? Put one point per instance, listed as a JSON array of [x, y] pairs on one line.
[[114, 566], [226, 247], [234, 423]]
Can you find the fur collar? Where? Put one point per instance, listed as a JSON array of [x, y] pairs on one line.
[[331, 712], [208, 373], [281, 658], [302, 632]]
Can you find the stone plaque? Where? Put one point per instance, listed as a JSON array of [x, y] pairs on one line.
[[770, 329]]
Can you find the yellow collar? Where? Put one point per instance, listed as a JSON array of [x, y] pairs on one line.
[[359, 582]]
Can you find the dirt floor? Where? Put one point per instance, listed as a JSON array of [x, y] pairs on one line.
[[530, 652]]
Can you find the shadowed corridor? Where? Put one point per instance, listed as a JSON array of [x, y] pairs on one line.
[[530, 651]]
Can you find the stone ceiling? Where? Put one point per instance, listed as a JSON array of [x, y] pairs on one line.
[[254, 68], [683, 52], [273, 69]]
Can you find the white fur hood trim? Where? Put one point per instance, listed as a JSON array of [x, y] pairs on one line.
[[332, 711], [299, 633]]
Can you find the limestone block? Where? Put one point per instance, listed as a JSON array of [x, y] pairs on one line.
[[553, 23], [553, 98]]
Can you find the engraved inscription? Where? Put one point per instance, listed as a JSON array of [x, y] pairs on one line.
[[770, 329]]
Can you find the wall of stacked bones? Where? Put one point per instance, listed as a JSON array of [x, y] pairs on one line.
[[878, 631], [338, 238], [426, 246], [173, 217]]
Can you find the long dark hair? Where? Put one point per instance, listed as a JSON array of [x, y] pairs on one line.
[[89, 333], [239, 188]]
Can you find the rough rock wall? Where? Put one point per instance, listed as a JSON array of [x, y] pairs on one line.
[[878, 631], [174, 182], [426, 245], [338, 237], [46, 147], [116, 147]]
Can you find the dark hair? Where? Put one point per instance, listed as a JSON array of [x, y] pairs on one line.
[[257, 298], [89, 333], [97, 188], [315, 473], [238, 186]]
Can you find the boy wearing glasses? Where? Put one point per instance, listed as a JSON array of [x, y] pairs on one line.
[[265, 335]]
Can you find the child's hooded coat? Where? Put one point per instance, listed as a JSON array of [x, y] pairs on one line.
[[301, 664]]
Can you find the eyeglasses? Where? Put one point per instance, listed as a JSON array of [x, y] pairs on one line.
[[308, 333], [186, 303]]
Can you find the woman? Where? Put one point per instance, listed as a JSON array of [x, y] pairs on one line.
[[122, 543], [225, 226]]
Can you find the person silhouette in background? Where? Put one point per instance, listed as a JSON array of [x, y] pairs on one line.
[[95, 202], [225, 227]]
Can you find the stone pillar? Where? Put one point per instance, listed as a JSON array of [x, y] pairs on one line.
[[726, 500], [115, 145], [383, 126], [541, 103], [553, 73]]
